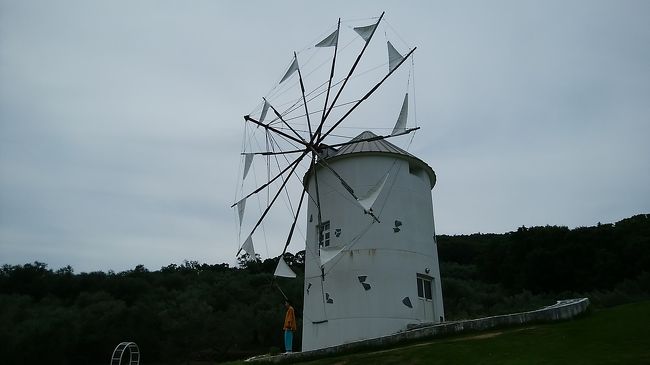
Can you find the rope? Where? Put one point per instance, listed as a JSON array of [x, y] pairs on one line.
[[396, 33]]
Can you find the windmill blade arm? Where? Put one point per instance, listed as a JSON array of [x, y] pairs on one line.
[[271, 153], [275, 197], [294, 164], [365, 97], [341, 179], [268, 127], [346, 186], [287, 124]]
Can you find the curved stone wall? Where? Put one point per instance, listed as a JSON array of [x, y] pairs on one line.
[[562, 310]]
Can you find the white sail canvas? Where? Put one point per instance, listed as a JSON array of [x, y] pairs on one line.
[[330, 41], [394, 57], [328, 253], [241, 205], [248, 159], [370, 198], [283, 269], [293, 68], [248, 246], [400, 125], [265, 109], [365, 32]]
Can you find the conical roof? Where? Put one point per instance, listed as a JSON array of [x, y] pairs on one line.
[[378, 146]]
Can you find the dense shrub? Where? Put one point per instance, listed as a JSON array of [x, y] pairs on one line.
[[207, 312]]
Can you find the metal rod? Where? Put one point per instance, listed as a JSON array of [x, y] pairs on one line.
[[278, 286], [268, 127], [344, 184], [267, 153], [287, 124], [320, 216]]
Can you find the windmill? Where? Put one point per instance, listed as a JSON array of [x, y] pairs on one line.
[[371, 264]]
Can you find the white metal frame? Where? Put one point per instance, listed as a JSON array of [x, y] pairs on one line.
[[118, 353]]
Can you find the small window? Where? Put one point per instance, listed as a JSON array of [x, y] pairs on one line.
[[324, 234], [420, 288], [418, 171], [427, 288], [414, 170], [424, 287]]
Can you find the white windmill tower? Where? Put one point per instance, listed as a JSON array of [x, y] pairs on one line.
[[363, 279], [371, 263]]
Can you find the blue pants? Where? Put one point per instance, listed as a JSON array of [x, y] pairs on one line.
[[288, 339]]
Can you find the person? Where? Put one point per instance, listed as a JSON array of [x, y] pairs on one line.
[[289, 325]]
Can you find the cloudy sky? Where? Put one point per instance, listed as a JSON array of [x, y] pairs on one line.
[[121, 121]]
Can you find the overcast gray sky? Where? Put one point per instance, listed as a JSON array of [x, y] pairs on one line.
[[121, 121]]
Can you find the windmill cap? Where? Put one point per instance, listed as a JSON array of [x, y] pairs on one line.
[[377, 147]]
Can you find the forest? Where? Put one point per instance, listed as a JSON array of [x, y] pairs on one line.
[[212, 312]]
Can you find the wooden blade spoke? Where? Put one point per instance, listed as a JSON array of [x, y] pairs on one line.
[[268, 127]]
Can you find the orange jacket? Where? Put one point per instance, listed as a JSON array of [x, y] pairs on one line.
[[290, 320]]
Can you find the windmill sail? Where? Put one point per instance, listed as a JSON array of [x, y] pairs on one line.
[[327, 254], [330, 41], [293, 68], [265, 109], [241, 205], [248, 247], [370, 198], [365, 32], [394, 57], [283, 269], [247, 163], [400, 125]]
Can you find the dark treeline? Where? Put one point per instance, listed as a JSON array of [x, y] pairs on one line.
[[181, 312], [497, 273], [207, 312]]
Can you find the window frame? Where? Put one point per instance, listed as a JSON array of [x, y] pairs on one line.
[[423, 283], [323, 234]]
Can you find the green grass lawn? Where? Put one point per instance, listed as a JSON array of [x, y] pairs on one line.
[[619, 335]]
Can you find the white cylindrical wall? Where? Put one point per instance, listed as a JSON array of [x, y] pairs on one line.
[[339, 309]]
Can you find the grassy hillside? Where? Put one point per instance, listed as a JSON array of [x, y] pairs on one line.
[[619, 335]]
